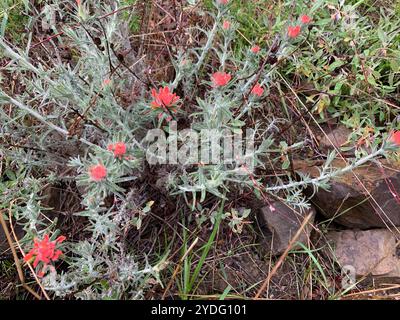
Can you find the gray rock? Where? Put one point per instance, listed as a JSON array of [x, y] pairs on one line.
[[283, 222], [345, 201], [370, 252]]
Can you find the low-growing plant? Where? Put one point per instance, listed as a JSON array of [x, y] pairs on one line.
[[69, 123]]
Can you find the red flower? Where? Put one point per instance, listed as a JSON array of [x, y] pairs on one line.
[[255, 49], [293, 32], [305, 19], [119, 149], [257, 90], [163, 98], [221, 79], [44, 251], [97, 172], [223, 1], [226, 25], [395, 138], [78, 2]]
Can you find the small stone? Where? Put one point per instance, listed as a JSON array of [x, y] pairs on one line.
[[283, 222], [370, 252], [346, 202]]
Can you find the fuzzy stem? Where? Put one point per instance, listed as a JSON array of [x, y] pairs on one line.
[[41, 118], [23, 60], [208, 45], [339, 172]]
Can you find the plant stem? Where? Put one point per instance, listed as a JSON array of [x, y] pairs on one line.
[[329, 175], [208, 45], [41, 118]]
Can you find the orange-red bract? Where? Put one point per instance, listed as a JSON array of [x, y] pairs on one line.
[[255, 49], [97, 172], [44, 251], [164, 98], [257, 90], [220, 79], [305, 19], [119, 149], [226, 25], [293, 32], [395, 138]]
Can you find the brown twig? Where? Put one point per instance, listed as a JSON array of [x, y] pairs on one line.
[[14, 253], [178, 267], [23, 254], [365, 293]]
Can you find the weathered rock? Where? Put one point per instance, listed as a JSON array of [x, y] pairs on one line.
[[338, 136], [346, 202], [370, 252], [284, 222]]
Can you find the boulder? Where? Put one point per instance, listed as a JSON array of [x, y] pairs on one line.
[[370, 252], [283, 222], [346, 203]]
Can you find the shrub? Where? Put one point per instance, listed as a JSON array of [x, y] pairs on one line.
[[68, 123]]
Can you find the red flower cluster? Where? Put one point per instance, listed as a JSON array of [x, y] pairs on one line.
[[223, 1], [257, 90], [164, 98], [220, 79], [293, 32], [119, 149], [305, 19], [44, 251], [98, 172], [255, 49], [226, 25], [395, 138]]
